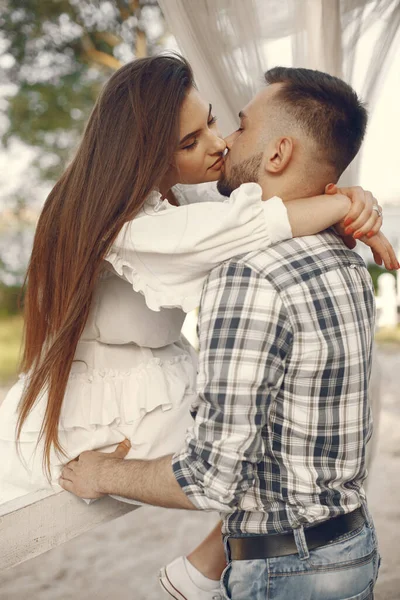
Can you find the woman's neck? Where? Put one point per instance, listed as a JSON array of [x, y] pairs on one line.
[[166, 191], [166, 184], [170, 196]]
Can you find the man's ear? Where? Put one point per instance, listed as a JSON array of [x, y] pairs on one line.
[[279, 155]]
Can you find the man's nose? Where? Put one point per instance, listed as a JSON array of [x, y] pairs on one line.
[[230, 140]]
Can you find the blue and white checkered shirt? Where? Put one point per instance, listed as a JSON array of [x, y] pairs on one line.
[[282, 416]]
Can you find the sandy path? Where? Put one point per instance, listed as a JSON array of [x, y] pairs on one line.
[[121, 559]]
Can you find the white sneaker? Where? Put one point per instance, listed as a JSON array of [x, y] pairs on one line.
[[175, 581]]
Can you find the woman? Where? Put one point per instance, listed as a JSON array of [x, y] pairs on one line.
[[98, 365]]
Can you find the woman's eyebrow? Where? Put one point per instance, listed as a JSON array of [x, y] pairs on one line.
[[193, 133]]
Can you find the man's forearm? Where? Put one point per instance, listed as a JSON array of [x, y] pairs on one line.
[[148, 481]]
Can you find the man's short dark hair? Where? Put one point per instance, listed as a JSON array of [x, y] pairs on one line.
[[327, 108]]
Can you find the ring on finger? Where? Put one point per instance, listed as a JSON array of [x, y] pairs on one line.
[[377, 209]]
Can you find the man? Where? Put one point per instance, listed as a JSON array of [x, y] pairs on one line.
[[282, 418]]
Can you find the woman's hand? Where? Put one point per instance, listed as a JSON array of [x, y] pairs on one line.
[[382, 250], [363, 222], [363, 218]]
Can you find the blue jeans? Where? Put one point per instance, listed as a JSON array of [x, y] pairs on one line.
[[345, 569]]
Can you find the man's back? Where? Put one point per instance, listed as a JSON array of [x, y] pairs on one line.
[[319, 421], [282, 417]]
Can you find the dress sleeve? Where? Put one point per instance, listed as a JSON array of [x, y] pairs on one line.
[[168, 252]]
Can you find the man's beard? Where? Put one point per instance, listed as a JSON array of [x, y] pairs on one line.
[[245, 172]]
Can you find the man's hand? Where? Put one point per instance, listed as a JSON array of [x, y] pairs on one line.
[[82, 475], [363, 223]]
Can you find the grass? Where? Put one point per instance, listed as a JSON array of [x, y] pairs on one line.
[[388, 335], [10, 343]]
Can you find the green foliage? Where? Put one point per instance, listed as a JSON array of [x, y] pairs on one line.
[[60, 53], [10, 300], [375, 271], [56, 56]]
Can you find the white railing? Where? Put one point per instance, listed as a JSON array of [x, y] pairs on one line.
[[43, 520]]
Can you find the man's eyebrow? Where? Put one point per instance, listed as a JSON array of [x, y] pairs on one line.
[[194, 133]]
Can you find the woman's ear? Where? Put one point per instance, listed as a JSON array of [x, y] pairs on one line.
[[279, 155]]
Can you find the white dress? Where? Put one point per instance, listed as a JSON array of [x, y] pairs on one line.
[[134, 374]]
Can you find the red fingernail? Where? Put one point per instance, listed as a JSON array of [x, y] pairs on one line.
[[349, 231], [347, 221], [370, 234], [357, 235]]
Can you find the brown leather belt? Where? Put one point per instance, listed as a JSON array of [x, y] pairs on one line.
[[256, 547]]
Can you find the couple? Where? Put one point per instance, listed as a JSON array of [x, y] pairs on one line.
[[281, 419]]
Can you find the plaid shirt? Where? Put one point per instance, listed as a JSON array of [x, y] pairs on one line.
[[282, 416]]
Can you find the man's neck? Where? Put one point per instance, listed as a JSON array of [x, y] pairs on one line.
[[290, 190]]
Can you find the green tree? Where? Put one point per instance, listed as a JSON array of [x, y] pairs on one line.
[[54, 57], [59, 52]]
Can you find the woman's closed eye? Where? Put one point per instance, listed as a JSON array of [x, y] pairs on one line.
[[191, 146], [195, 142]]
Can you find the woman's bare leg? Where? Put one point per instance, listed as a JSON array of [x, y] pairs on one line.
[[209, 556]]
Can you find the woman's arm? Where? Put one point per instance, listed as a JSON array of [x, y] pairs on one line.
[[352, 207], [351, 210], [168, 252], [312, 215]]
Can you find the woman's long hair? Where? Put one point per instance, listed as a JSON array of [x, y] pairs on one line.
[[126, 150]]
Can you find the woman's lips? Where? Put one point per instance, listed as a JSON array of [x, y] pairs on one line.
[[218, 164]]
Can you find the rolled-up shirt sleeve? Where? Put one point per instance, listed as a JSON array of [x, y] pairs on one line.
[[167, 254], [245, 335]]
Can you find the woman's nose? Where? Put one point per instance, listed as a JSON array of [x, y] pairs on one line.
[[220, 144]]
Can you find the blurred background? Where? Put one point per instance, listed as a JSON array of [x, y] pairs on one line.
[[55, 56]]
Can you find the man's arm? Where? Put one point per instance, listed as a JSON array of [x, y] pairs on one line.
[[245, 334], [95, 474], [148, 481]]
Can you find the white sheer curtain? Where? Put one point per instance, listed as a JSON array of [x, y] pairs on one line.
[[230, 43]]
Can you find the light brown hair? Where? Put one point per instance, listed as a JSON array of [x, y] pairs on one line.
[[126, 150]]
